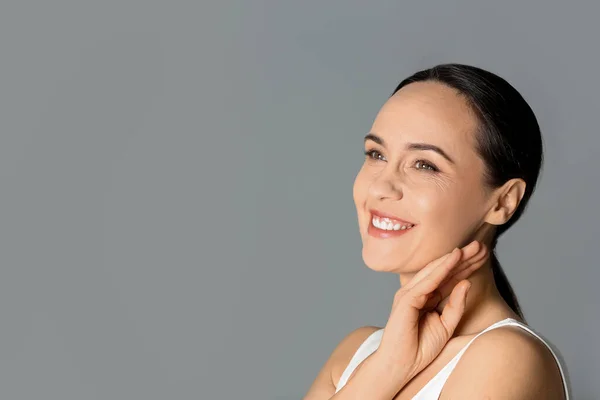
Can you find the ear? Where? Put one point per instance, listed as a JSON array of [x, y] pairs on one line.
[[505, 201]]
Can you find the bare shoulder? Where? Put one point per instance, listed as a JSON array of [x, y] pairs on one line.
[[346, 349], [323, 386], [505, 362]]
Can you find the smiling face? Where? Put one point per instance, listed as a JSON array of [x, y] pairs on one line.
[[442, 193]]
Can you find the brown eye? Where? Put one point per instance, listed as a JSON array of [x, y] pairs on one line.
[[373, 154], [427, 166]]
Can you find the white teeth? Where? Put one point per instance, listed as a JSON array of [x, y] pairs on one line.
[[388, 225]]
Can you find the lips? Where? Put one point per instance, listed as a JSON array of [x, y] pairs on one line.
[[392, 217]]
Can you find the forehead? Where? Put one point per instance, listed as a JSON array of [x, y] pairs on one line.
[[428, 112]]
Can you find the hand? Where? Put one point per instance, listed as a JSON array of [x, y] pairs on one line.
[[416, 333]]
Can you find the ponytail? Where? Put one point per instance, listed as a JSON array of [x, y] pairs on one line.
[[508, 140], [504, 287]]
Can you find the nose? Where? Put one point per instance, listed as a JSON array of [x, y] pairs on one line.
[[386, 185]]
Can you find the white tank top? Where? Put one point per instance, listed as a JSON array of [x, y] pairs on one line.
[[433, 388]]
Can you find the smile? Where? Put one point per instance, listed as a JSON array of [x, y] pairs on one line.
[[385, 228], [388, 224]]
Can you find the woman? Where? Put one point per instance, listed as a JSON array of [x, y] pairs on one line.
[[451, 162]]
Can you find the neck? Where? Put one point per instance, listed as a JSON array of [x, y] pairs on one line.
[[484, 305]]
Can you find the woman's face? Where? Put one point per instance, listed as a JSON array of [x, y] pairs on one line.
[[445, 198]]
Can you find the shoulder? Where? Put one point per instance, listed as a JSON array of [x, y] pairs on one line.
[[346, 348], [324, 384], [505, 362]]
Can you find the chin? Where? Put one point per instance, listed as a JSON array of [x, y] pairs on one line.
[[382, 263]]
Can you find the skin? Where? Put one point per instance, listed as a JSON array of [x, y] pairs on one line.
[[451, 206]]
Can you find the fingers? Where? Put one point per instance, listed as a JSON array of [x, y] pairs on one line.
[[465, 270], [467, 252], [433, 300], [424, 272], [459, 273], [471, 249], [454, 310], [445, 267], [431, 282]]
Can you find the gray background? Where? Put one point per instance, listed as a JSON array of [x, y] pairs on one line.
[[177, 213]]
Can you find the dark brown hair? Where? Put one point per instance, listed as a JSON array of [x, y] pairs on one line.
[[508, 139]]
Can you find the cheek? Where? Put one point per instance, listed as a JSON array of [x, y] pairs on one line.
[[447, 215], [432, 210]]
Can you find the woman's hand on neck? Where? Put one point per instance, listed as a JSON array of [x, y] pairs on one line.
[[484, 304]]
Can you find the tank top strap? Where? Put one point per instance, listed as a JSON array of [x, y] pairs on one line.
[[371, 343], [433, 388], [366, 348]]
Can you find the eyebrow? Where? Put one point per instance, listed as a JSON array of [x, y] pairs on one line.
[[412, 146]]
